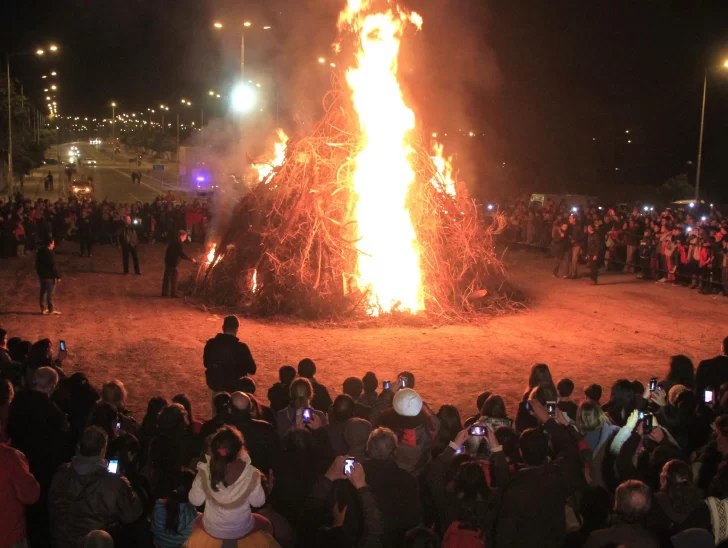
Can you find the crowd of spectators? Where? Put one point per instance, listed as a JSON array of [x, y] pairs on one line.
[[645, 465], [25, 223], [685, 245]]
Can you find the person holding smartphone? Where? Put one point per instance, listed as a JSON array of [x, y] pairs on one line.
[[300, 413], [90, 493]]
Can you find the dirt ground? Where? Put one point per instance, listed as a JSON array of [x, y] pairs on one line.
[[117, 326]]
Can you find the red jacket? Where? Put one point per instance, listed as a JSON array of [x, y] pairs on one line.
[[18, 487]]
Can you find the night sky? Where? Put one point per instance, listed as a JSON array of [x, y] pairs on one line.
[[553, 85]]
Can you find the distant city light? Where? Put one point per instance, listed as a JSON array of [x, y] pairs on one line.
[[247, 24], [217, 25], [321, 60]]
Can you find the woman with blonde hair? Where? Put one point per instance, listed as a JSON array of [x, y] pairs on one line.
[[598, 432], [299, 413]]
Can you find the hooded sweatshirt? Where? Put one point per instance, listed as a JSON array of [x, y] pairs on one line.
[[227, 510]]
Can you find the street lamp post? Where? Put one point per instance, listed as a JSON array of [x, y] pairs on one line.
[[702, 127], [113, 129], [700, 141], [38, 52]]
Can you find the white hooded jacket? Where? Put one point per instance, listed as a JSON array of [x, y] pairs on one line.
[[227, 510]]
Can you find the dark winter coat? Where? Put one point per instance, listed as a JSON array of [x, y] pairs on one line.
[[260, 440], [38, 428], [622, 534], [174, 254], [226, 360], [415, 435], [397, 495], [84, 496], [531, 511], [45, 264]]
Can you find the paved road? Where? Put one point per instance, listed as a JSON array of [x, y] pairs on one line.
[[112, 179]]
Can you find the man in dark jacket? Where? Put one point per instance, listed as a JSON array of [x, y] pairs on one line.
[[129, 242], [632, 504], [227, 359], [172, 258], [594, 246], [85, 234], [38, 428], [279, 395], [85, 496], [712, 373], [396, 492], [559, 247], [45, 266], [321, 400], [260, 436], [532, 505]]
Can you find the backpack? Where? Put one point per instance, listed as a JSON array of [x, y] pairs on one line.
[[455, 537]]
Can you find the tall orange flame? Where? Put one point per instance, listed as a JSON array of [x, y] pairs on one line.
[[266, 169], [444, 168], [388, 264]]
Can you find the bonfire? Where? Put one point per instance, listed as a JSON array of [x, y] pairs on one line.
[[357, 217]]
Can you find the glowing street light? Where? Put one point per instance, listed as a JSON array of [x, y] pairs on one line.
[[39, 51], [54, 73], [211, 93], [242, 98], [54, 86], [217, 25], [702, 124], [266, 28], [247, 24], [321, 60], [53, 47]]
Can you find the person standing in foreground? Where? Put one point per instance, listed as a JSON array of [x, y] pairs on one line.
[[129, 242], [593, 249], [226, 359], [45, 266], [172, 257]]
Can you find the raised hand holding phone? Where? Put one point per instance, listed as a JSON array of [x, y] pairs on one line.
[[336, 470]]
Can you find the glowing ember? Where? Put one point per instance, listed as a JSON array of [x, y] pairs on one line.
[[266, 169], [211, 254], [388, 263], [444, 168]]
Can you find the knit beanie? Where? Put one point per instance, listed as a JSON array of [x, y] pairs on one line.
[[407, 403]]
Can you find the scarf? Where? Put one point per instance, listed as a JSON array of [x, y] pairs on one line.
[[718, 518]]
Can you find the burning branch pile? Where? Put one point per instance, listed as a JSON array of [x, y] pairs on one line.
[[358, 218]]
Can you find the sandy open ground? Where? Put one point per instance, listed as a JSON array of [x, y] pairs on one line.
[[117, 326]]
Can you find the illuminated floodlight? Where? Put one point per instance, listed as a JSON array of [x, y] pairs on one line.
[[490, 206], [242, 98], [691, 204], [574, 209], [646, 208]]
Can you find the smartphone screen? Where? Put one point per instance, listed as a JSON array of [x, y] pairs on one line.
[[647, 423], [307, 414], [349, 466], [118, 426], [551, 408], [403, 382], [113, 466], [708, 396], [63, 346], [477, 431], [653, 384], [386, 385]]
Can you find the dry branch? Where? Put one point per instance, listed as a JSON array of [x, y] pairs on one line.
[[297, 232]]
